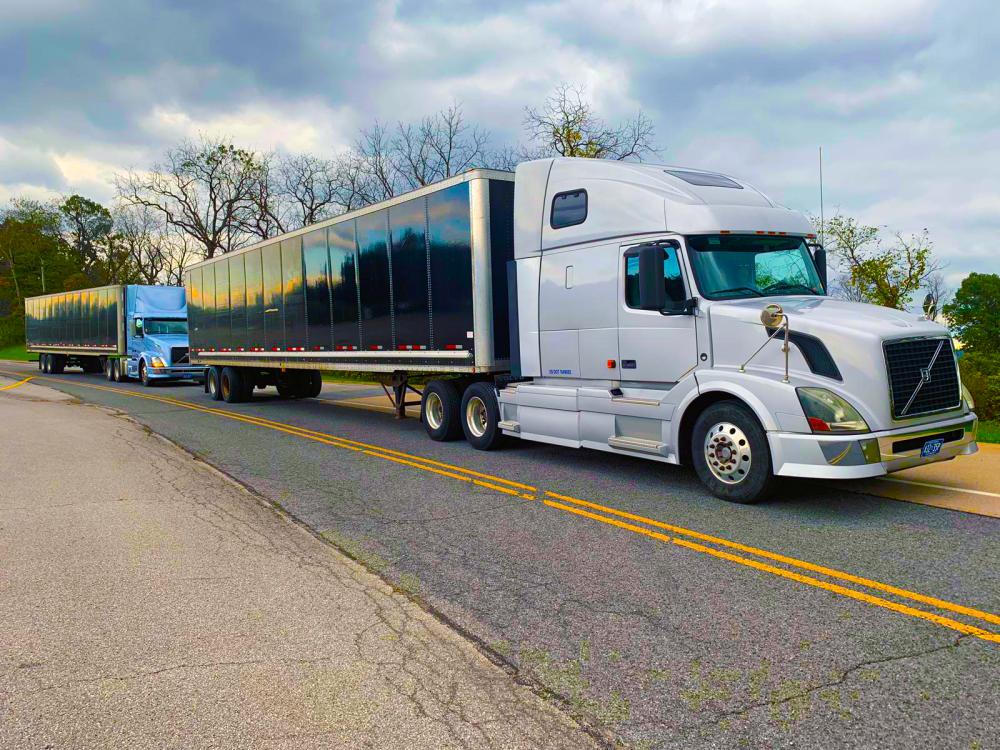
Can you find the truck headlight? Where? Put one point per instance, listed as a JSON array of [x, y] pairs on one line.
[[158, 362], [967, 398], [827, 412]]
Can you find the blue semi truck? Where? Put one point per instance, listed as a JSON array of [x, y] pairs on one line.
[[124, 331]]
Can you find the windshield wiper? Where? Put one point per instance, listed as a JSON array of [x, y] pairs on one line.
[[788, 286], [754, 292]]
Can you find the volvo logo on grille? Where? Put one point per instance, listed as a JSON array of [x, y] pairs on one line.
[[925, 377]]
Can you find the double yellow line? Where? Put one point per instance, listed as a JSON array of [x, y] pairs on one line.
[[724, 549]]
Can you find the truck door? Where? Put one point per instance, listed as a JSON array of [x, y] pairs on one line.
[[655, 346]]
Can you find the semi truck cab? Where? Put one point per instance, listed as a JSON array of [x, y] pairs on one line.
[[681, 315], [157, 335]]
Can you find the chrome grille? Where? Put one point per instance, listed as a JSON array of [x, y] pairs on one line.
[[919, 381], [179, 355]]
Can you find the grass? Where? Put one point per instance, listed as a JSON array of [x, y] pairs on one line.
[[16, 351], [989, 431]]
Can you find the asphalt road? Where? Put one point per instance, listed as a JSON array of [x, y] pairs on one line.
[[662, 616]]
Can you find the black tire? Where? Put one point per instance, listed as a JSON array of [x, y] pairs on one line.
[[45, 362], [212, 381], [728, 436], [107, 368], [92, 365], [57, 364], [249, 384], [481, 416], [118, 373], [286, 388], [441, 410], [312, 384], [231, 385], [144, 375]]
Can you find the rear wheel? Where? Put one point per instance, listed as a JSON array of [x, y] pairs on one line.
[[107, 369], [231, 385], [213, 385], [730, 453], [440, 410], [57, 363], [312, 384], [45, 362], [481, 416]]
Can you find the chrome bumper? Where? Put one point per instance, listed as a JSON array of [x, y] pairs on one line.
[[869, 455]]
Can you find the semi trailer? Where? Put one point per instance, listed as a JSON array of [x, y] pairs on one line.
[[126, 331], [672, 314]]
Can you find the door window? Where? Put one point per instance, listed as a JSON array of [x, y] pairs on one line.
[[672, 280]]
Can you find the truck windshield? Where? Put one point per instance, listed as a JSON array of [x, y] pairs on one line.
[[154, 326], [733, 266]]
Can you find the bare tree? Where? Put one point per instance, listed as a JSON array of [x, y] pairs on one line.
[[310, 187], [566, 125], [180, 253], [374, 152], [205, 189], [140, 238]]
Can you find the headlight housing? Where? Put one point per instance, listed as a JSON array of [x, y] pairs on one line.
[[827, 412], [158, 362], [967, 397]]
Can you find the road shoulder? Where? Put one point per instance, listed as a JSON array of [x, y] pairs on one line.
[[149, 601]]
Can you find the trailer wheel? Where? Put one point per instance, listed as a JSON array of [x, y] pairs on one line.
[[107, 368], [57, 363], [45, 363], [440, 410], [231, 385], [730, 453], [312, 384], [481, 416], [249, 384], [212, 379]]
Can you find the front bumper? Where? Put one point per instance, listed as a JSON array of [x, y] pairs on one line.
[[872, 454], [176, 373]]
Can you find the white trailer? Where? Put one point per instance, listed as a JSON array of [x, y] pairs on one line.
[[681, 316]]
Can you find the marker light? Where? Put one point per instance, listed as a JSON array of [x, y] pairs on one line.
[[827, 412]]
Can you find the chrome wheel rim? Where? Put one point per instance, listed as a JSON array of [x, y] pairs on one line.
[[434, 411], [727, 453], [475, 416]]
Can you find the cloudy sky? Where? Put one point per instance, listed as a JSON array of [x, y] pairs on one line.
[[903, 95]]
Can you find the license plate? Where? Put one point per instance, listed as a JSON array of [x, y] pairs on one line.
[[931, 447]]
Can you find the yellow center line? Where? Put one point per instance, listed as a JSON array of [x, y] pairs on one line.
[[961, 627], [833, 573], [15, 385], [513, 488]]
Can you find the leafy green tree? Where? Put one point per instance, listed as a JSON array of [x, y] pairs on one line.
[[974, 317], [875, 270], [88, 226], [974, 313]]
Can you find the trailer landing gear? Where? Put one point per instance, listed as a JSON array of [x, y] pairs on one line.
[[399, 382]]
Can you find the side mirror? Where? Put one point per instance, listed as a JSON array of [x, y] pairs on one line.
[[652, 292], [138, 326], [684, 307], [819, 258]]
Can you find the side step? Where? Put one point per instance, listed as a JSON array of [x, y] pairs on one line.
[[509, 425], [637, 444]]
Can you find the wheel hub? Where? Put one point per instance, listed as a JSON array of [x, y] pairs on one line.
[[727, 453], [476, 417], [434, 411]]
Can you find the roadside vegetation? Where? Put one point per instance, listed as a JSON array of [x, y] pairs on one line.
[[16, 351]]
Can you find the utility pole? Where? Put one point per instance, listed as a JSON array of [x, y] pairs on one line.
[[43, 273]]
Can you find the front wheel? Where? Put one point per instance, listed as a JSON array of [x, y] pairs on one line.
[[144, 375], [730, 453]]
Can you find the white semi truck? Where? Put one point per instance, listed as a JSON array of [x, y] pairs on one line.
[[672, 314]]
